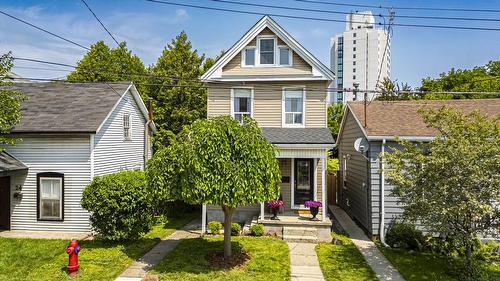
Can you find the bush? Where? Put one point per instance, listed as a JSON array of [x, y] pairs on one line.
[[404, 235], [214, 227], [257, 230], [235, 229], [120, 204]]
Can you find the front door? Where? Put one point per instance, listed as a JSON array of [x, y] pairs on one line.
[[304, 181], [4, 203]]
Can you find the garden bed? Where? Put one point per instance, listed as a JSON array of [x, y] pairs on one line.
[[269, 260]]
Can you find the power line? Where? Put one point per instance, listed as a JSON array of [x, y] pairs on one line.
[[97, 18], [44, 30], [348, 13], [317, 19], [400, 7]]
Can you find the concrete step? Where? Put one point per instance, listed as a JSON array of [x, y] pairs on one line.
[[300, 231], [300, 239]]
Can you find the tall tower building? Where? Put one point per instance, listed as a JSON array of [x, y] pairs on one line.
[[357, 56]]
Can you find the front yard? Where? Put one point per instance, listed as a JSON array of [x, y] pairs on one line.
[[43, 259], [415, 266], [270, 260], [343, 262]]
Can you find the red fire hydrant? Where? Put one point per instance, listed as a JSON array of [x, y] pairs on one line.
[[72, 250]]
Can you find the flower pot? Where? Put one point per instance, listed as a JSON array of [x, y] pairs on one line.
[[275, 213], [314, 213]]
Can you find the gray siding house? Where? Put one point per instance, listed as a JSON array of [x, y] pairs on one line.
[[364, 192], [68, 134]]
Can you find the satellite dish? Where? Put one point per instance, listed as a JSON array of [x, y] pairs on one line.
[[361, 145]]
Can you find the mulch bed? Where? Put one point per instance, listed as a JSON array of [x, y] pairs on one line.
[[216, 260]]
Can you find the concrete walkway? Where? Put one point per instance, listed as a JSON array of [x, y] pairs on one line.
[[304, 263], [139, 269], [45, 234], [377, 261]]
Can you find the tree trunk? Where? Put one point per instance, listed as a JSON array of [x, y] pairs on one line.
[[468, 257], [228, 214]]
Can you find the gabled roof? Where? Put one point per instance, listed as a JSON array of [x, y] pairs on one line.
[[320, 71], [390, 119], [70, 107]]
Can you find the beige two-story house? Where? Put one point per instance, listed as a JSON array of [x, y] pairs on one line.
[[269, 76]]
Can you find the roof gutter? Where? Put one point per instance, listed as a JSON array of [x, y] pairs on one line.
[[394, 138]]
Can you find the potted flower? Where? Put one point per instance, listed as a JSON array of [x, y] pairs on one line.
[[275, 205], [314, 208]]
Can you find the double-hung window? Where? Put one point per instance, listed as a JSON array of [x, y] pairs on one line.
[[266, 50], [50, 196], [285, 55], [242, 103], [249, 56], [127, 135], [293, 107]]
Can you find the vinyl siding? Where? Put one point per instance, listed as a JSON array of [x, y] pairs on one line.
[[392, 207], [299, 66], [267, 103], [67, 155], [356, 195], [112, 153]]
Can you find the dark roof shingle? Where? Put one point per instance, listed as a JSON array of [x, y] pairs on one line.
[[66, 107], [401, 118], [298, 135], [9, 163]]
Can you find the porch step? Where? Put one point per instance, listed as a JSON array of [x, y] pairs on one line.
[[300, 231], [300, 239]]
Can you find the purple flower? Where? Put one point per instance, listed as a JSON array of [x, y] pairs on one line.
[[310, 204], [275, 203]]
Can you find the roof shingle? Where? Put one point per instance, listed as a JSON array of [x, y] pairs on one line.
[[401, 118], [298, 135], [66, 107]]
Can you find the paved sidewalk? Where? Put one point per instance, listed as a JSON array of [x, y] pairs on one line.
[[304, 263], [139, 269], [45, 234], [377, 261]]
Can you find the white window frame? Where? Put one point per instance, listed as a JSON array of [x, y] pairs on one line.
[[257, 59], [290, 56], [283, 111], [61, 200], [251, 99], [127, 137], [243, 56]]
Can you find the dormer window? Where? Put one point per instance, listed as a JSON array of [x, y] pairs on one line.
[[266, 50]]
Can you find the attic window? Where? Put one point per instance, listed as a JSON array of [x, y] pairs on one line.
[[266, 50], [249, 56], [127, 135], [285, 55]]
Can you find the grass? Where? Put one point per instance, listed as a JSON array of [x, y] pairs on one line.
[[269, 261], [415, 266], [343, 262], [43, 259]]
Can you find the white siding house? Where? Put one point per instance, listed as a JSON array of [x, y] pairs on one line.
[[68, 134]]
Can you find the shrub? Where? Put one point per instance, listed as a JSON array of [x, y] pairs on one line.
[[404, 235], [120, 204], [257, 230], [214, 227], [235, 229]]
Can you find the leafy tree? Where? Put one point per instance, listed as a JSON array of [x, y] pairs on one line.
[[452, 183], [180, 98], [105, 64], [217, 161], [10, 102], [391, 90], [335, 114], [479, 79]]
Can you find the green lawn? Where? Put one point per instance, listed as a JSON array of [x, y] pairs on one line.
[[420, 266], [43, 259], [343, 262], [269, 261]]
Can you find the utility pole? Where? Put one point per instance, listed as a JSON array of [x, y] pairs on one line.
[[366, 119]]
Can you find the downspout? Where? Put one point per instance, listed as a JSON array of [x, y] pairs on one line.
[[382, 196]]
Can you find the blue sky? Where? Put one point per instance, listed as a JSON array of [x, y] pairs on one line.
[[148, 27]]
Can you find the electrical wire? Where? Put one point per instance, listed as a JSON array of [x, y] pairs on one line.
[[100, 22], [348, 13]]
